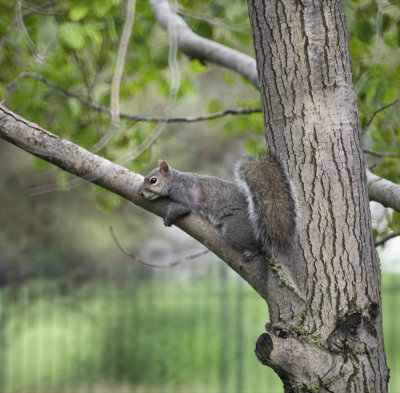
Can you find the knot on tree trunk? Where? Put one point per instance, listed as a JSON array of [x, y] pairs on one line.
[[264, 346], [294, 361]]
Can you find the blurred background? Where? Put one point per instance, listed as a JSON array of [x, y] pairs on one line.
[[78, 315]]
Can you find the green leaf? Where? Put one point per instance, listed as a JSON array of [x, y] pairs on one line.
[[217, 9], [228, 78], [75, 106], [112, 31], [196, 67], [93, 31], [363, 27], [214, 105], [40, 165], [390, 94], [357, 48], [2, 91], [72, 35], [387, 21], [107, 200], [78, 11], [204, 29], [254, 146], [101, 7], [62, 179]]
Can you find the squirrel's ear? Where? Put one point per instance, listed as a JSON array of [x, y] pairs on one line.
[[163, 166]]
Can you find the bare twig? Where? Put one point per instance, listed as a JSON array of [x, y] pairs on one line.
[[119, 67], [169, 264], [371, 119], [384, 239], [381, 154], [116, 81], [136, 118]]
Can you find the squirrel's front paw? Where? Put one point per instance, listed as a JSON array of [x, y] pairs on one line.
[[167, 221]]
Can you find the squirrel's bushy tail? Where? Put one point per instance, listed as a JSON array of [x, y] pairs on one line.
[[270, 202]]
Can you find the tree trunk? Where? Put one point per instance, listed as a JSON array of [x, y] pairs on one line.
[[326, 327]]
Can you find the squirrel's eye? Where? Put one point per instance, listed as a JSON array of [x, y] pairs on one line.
[[153, 180]]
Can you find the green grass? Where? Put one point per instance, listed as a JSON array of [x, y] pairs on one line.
[[161, 337], [391, 327], [153, 337]]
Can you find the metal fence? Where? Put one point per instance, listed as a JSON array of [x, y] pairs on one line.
[[167, 332]]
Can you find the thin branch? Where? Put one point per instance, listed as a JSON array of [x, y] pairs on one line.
[[116, 81], [169, 264], [371, 119], [381, 154], [136, 118], [384, 239], [119, 67], [198, 47]]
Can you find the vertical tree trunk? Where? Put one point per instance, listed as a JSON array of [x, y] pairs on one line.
[[326, 324]]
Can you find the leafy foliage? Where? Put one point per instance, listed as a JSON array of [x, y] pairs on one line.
[[374, 39], [74, 44]]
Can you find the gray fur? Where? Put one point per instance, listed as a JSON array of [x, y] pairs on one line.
[[256, 215], [271, 205], [219, 201]]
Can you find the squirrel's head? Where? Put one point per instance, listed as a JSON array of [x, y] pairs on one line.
[[157, 183]]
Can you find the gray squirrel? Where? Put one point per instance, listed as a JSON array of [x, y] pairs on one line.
[[256, 214]]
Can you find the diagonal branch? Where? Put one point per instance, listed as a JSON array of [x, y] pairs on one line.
[[135, 118], [201, 48], [121, 181]]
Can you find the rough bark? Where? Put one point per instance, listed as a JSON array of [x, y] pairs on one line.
[[333, 340]]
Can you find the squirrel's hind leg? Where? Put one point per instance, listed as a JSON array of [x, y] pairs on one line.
[[237, 232]]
